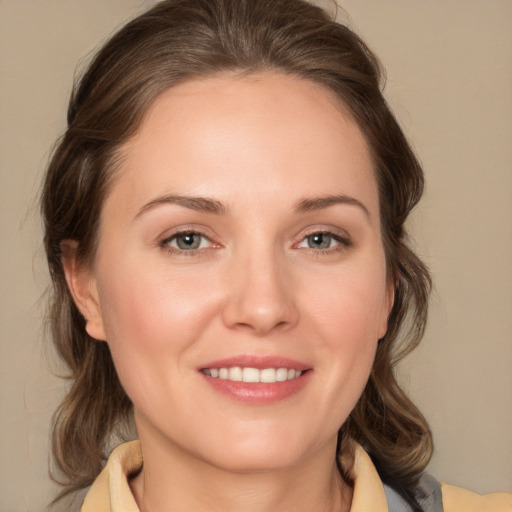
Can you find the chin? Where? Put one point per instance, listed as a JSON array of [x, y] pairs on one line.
[[260, 462], [259, 454]]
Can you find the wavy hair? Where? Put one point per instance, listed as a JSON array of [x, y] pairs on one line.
[[175, 41]]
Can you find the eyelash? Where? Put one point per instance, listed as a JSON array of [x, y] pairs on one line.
[[344, 242]]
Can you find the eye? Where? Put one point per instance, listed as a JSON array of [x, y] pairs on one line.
[[318, 241], [186, 241], [324, 241]]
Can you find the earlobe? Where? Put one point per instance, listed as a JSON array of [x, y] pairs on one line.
[[82, 285]]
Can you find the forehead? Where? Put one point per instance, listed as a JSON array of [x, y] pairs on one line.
[[229, 135]]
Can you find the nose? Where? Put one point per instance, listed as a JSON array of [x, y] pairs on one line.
[[261, 296]]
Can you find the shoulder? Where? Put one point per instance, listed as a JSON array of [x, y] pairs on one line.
[[435, 497], [370, 493], [456, 499]]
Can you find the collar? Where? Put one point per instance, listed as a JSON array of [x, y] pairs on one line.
[[111, 492]]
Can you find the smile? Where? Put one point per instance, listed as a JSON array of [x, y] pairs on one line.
[[247, 374]]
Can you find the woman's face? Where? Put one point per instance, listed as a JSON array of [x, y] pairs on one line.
[[241, 240]]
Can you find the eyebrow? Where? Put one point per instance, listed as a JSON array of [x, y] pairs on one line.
[[318, 203], [202, 204]]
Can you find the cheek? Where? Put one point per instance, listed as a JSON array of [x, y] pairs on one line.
[[348, 316], [150, 303], [152, 320], [350, 305]]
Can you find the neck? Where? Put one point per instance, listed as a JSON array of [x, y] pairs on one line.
[[173, 480]]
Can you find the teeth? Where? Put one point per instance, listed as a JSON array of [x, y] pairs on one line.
[[235, 374], [267, 375], [251, 375], [282, 374]]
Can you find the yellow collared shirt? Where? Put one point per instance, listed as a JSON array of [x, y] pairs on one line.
[[111, 492]]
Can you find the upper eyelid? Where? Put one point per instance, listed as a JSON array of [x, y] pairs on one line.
[[183, 230], [328, 230]]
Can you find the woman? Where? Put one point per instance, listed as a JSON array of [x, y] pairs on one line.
[[224, 228]]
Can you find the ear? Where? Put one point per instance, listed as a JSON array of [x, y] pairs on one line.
[[388, 305], [82, 285]]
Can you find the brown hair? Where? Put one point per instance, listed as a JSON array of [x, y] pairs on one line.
[[175, 41]]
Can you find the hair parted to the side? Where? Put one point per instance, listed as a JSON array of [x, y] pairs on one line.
[[182, 39]]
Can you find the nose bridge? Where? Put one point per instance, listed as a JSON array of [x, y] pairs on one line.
[[261, 296]]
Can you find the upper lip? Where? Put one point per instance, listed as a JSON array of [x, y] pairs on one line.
[[258, 362]]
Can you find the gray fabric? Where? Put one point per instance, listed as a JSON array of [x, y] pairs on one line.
[[427, 493]]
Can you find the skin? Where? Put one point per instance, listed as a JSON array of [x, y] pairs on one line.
[[258, 285]]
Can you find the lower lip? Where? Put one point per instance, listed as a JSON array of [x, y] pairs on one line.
[[258, 392]]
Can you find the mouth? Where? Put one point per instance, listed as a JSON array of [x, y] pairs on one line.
[[257, 380], [253, 375]]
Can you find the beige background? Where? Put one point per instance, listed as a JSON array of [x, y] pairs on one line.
[[449, 66]]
